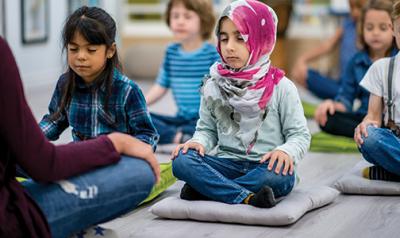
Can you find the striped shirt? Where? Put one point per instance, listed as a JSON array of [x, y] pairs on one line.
[[127, 111], [183, 72]]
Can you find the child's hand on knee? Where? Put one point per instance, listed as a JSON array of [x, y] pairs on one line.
[[186, 146], [281, 159], [361, 131]]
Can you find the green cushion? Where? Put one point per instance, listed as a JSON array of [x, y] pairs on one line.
[[167, 179], [309, 109], [20, 179], [323, 142]]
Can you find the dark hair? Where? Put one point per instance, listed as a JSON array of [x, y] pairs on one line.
[[203, 8], [98, 28], [380, 5]]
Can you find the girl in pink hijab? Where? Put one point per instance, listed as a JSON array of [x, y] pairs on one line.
[[251, 118]]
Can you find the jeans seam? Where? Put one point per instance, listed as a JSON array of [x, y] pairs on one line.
[[241, 197]]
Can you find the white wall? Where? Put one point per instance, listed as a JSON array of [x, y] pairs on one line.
[[41, 63]]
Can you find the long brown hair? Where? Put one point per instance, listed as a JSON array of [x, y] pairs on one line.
[[98, 28]]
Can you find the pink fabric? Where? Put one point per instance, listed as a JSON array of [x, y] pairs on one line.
[[268, 82], [231, 74], [257, 23]]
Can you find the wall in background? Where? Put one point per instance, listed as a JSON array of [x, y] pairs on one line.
[[41, 63]]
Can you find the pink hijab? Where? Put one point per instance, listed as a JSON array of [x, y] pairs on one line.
[[257, 24], [247, 90]]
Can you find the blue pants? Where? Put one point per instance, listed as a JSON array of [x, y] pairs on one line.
[[169, 126], [322, 86], [382, 148], [93, 197], [227, 180]]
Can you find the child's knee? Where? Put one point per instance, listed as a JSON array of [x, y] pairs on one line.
[[282, 185], [373, 138], [144, 175], [183, 162], [148, 180]]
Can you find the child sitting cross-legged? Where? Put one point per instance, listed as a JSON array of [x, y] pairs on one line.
[[251, 112], [381, 146]]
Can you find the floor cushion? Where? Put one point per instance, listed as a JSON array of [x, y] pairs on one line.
[[287, 211], [354, 183]]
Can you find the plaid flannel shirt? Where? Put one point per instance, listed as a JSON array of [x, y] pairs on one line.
[[127, 111]]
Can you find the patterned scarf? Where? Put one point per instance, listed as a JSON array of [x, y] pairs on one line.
[[246, 91]]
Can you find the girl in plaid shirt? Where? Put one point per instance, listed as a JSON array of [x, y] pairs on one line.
[[95, 98]]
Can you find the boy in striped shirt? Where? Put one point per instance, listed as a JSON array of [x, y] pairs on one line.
[[185, 64]]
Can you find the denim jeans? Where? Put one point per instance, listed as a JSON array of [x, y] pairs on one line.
[[168, 126], [322, 86], [382, 148], [227, 180], [93, 197]]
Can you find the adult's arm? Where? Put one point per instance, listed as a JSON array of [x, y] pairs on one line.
[[42, 160]]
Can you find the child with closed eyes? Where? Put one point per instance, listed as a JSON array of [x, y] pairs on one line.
[[250, 112], [95, 99]]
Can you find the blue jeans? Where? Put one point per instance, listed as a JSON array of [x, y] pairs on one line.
[[226, 180], [322, 86], [382, 148], [96, 196], [169, 126]]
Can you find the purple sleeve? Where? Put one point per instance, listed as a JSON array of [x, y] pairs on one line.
[[42, 160]]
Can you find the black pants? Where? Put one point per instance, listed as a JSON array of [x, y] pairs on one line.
[[342, 123]]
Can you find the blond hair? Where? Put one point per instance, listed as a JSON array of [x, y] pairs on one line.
[[203, 8], [396, 10]]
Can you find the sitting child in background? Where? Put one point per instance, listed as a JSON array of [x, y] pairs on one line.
[[321, 85], [381, 146], [376, 38], [251, 112], [185, 64]]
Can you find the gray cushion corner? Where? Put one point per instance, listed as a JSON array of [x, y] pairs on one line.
[[353, 183]]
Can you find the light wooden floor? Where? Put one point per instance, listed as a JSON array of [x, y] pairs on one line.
[[348, 216]]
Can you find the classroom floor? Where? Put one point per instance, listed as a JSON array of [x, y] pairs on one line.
[[347, 216]]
